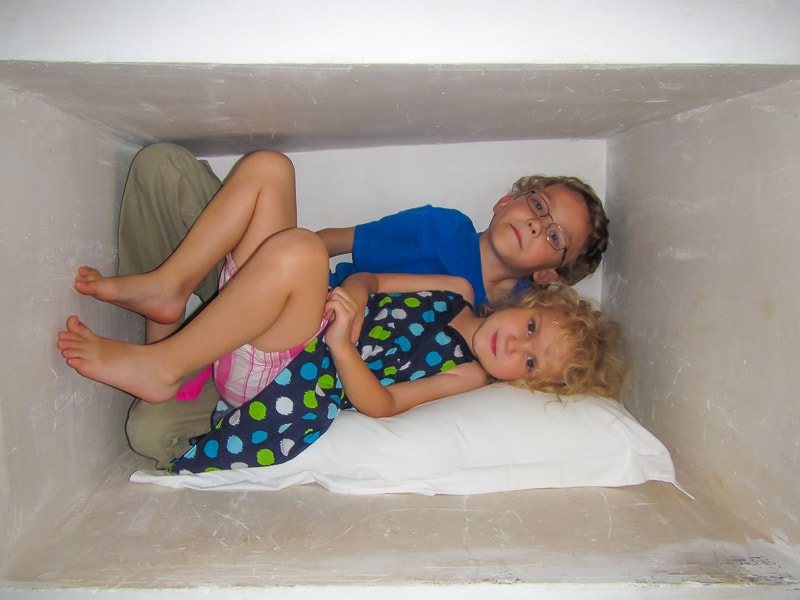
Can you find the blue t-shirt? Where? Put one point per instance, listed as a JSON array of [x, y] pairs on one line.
[[424, 240]]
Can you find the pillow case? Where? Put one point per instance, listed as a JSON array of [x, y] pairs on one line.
[[495, 438]]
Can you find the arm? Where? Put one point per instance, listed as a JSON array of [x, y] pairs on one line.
[[359, 286], [362, 387], [338, 240]]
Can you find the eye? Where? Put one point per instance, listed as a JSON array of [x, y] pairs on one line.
[[531, 327], [537, 206], [555, 238]]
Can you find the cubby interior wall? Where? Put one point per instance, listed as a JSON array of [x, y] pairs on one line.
[[699, 272], [702, 273], [63, 180]]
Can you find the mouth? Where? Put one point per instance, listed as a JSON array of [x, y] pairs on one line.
[[493, 344], [516, 233]]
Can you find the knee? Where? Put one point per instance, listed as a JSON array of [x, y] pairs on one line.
[[155, 156], [295, 251], [267, 162], [147, 434]]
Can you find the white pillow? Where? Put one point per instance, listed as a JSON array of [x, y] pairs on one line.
[[492, 439]]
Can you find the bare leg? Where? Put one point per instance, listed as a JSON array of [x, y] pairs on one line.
[[257, 201], [266, 305]]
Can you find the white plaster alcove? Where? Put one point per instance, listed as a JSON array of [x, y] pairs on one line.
[[685, 116]]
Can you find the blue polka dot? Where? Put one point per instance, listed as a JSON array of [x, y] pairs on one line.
[[234, 444], [439, 306], [191, 452], [428, 316], [416, 329], [404, 344], [443, 339], [386, 381], [308, 371], [433, 358], [333, 410], [211, 448], [259, 437], [284, 377], [391, 351], [325, 362], [375, 365], [416, 375], [311, 437], [309, 417], [284, 427]]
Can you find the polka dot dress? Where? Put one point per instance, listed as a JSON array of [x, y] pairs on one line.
[[404, 337]]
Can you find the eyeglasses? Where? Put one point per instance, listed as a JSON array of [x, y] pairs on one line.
[[555, 234]]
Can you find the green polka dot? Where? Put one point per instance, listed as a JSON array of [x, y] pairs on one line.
[[326, 382], [310, 399], [209, 469], [449, 364], [385, 300], [412, 302], [265, 457], [257, 410], [379, 333], [390, 370], [312, 345]]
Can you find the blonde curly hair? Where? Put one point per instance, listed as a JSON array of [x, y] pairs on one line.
[[598, 363], [588, 260]]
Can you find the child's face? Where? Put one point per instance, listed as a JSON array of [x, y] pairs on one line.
[[518, 236], [522, 343]]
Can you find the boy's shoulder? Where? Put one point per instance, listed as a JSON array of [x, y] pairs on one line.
[[421, 218]]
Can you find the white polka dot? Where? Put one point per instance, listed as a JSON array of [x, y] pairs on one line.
[[284, 405], [286, 446], [369, 350]]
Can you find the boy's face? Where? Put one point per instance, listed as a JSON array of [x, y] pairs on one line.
[[519, 237], [522, 343]]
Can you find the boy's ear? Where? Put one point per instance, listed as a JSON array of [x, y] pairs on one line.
[[545, 277], [503, 202]]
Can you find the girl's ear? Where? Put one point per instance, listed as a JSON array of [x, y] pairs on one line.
[[503, 202], [545, 276]]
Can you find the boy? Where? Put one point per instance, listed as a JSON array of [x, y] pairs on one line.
[[546, 229]]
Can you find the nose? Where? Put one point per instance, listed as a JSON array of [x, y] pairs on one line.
[[535, 226], [517, 343]]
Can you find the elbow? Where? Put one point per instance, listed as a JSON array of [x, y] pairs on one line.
[[377, 413]]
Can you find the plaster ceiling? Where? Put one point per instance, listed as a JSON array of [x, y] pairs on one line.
[[231, 109]]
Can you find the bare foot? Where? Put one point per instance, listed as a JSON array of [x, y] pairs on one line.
[[143, 294], [131, 368]]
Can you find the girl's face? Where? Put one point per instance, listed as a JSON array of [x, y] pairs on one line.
[[522, 343]]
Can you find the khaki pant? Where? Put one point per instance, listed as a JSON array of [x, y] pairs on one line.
[[166, 190]]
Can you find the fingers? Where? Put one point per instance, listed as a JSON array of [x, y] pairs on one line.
[[340, 303]]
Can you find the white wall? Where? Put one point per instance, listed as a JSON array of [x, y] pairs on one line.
[[61, 181], [703, 272], [415, 31]]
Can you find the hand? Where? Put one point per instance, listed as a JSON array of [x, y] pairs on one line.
[[346, 318]]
